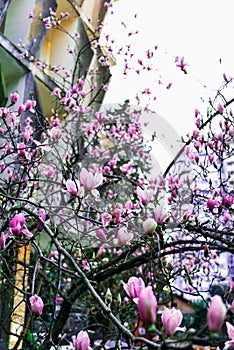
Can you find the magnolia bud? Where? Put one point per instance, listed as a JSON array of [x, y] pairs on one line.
[[147, 306], [36, 305], [108, 296], [216, 314], [171, 319], [14, 97], [149, 226]]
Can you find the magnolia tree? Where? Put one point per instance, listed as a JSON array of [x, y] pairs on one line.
[[90, 233]]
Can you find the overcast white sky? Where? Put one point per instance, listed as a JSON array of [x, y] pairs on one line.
[[202, 31]]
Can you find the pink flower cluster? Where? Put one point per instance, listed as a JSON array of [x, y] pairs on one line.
[[147, 306]]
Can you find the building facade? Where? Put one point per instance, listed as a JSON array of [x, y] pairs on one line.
[[37, 55]]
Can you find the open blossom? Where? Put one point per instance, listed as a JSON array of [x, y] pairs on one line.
[[124, 236], [160, 214], [216, 314], [82, 341], [147, 306], [134, 287], [106, 219], [55, 133], [73, 187], [230, 332], [90, 180], [28, 133], [17, 226], [36, 305], [144, 196], [171, 319], [29, 105], [125, 168], [211, 203], [101, 234], [23, 151]]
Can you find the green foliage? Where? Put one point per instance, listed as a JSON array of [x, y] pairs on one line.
[[3, 94], [31, 341]]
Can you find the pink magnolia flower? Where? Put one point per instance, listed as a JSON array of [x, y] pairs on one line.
[[11, 119], [125, 168], [226, 217], [171, 319], [100, 250], [76, 35], [216, 314], [21, 108], [14, 97], [134, 287], [29, 105], [28, 133], [144, 196], [22, 150], [56, 92], [101, 234], [124, 236], [113, 161], [116, 215], [73, 187], [198, 122], [159, 214], [188, 213], [149, 226], [106, 219], [228, 201], [82, 341], [42, 215], [211, 203], [230, 332], [17, 226], [196, 112], [36, 305], [232, 286], [147, 306], [220, 108], [55, 133], [90, 180]]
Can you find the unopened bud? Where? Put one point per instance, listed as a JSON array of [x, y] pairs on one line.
[[149, 226]]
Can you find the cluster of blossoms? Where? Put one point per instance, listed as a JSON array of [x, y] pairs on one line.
[[89, 176], [147, 306], [171, 318], [52, 20]]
